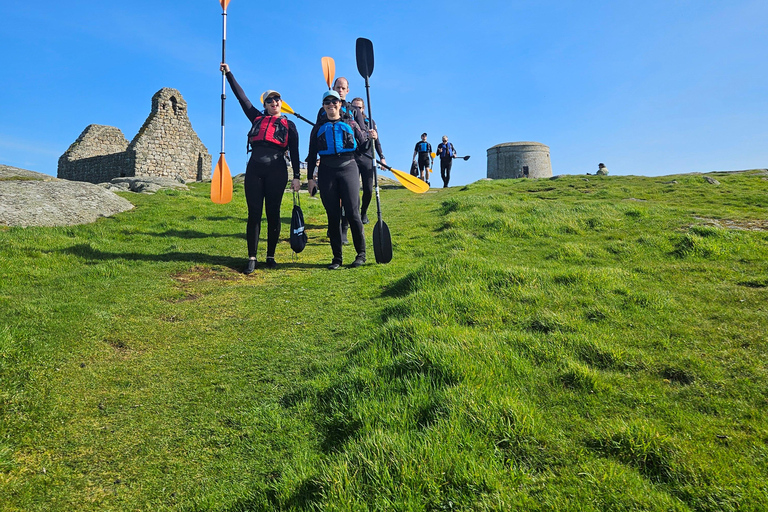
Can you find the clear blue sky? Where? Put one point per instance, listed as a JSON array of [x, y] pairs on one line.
[[648, 88]]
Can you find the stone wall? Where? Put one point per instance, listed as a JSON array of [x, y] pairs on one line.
[[98, 155], [166, 146], [519, 160]]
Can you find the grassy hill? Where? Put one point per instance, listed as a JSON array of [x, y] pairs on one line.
[[580, 343]]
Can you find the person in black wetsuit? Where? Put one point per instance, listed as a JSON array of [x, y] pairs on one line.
[[267, 172], [365, 164], [335, 140], [447, 153], [341, 86], [423, 151]]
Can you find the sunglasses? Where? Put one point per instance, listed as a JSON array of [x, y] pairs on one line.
[[272, 99], [331, 102]]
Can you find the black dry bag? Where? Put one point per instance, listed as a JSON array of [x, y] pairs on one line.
[[298, 235], [414, 169]]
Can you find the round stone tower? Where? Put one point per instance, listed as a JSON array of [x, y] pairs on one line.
[[519, 160]]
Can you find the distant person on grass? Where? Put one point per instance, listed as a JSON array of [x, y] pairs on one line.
[[447, 153], [335, 139], [266, 174], [602, 170], [365, 164], [422, 155]]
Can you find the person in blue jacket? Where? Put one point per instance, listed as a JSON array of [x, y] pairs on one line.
[[335, 141], [447, 153]]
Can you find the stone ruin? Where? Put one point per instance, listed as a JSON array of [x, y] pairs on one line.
[[166, 146]]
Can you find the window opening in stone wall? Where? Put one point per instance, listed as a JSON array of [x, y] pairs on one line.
[[174, 104], [525, 171]]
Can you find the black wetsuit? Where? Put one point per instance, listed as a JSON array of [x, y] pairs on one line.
[[424, 150], [265, 177], [365, 165], [339, 181], [446, 152]]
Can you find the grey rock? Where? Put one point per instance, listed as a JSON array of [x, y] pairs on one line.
[[14, 173], [32, 202], [144, 184], [711, 180]]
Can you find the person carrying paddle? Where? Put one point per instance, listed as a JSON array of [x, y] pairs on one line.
[[341, 86], [447, 153], [423, 151], [335, 140], [266, 175], [365, 164]]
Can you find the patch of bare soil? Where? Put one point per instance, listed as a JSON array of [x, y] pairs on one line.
[[742, 224]]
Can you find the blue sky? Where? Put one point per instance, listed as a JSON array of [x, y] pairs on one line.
[[649, 88]]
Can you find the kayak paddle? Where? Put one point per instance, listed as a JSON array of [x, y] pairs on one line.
[[221, 181], [382, 240]]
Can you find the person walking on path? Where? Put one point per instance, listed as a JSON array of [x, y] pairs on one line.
[[447, 153], [423, 151], [335, 140], [365, 164], [341, 86], [266, 174]]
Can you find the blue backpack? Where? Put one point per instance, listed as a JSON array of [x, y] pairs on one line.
[[335, 138]]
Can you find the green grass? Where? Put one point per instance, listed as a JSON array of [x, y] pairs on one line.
[[566, 344]]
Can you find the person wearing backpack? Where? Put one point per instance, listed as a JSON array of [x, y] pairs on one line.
[[335, 140], [423, 151], [266, 174], [447, 152]]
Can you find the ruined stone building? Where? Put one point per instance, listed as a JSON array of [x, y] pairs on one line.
[[166, 146]]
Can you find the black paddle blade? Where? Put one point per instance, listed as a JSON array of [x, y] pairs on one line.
[[364, 49], [382, 242]]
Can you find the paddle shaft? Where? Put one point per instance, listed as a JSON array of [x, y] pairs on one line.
[[223, 75]]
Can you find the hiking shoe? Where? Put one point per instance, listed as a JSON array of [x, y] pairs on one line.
[[250, 267], [359, 262], [334, 265], [271, 263], [365, 218]]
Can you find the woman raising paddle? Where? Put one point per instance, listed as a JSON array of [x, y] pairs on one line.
[[336, 140], [267, 172]]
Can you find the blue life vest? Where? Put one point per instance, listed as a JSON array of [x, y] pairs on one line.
[[334, 138], [423, 147], [446, 150]]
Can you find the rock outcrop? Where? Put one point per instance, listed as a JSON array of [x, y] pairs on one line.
[[29, 198]]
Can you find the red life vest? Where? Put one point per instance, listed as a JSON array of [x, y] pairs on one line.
[[272, 129]]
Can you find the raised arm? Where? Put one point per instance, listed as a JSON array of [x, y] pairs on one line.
[[251, 112]]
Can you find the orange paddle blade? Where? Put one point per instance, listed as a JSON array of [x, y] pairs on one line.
[[221, 183], [224, 4], [329, 70]]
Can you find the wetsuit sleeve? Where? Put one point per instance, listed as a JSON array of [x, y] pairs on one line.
[[293, 149], [377, 143], [312, 156], [250, 111]]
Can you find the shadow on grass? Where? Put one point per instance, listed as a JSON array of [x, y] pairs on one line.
[[190, 234], [308, 495], [87, 252]]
